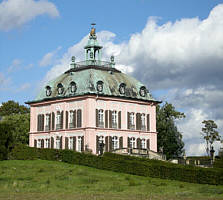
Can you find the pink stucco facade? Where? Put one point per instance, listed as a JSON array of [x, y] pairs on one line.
[[89, 132]]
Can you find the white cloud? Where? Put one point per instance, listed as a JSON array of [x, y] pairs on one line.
[[48, 58], [15, 13], [183, 57], [4, 82], [23, 87], [16, 64]]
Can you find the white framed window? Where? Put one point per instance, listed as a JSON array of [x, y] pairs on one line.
[[39, 143], [71, 116], [58, 118], [143, 144], [132, 142], [114, 117], [71, 143], [47, 143], [47, 120], [132, 119], [101, 139], [58, 143], [143, 120], [115, 142], [101, 116], [79, 140]]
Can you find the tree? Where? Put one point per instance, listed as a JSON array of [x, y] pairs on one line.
[[210, 134], [6, 140], [12, 107], [169, 138], [19, 127]]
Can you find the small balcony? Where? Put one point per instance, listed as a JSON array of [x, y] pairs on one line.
[[58, 126], [132, 127], [71, 125], [114, 125], [143, 128], [47, 128], [101, 124]]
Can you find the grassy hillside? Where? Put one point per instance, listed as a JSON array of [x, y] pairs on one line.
[[38, 179]]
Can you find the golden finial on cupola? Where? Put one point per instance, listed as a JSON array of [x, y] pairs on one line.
[[92, 33]]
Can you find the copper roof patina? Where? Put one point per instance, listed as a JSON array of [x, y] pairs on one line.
[[88, 74]]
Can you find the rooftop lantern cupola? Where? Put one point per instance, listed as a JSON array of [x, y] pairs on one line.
[[93, 49]]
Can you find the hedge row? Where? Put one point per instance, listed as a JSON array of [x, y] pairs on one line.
[[124, 164], [218, 163]]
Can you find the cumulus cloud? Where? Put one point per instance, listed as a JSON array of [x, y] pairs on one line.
[[15, 13], [183, 58], [48, 58], [4, 82]]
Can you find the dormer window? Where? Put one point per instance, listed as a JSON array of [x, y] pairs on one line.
[[48, 91], [99, 86], [73, 87], [142, 91], [122, 88], [60, 88]]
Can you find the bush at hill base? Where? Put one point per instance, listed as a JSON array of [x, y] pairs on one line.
[[124, 164]]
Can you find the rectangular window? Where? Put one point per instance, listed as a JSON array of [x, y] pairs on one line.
[[132, 120], [47, 122], [143, 122], [58, 143], [47, 143], [39, 143], [79, 141], [143, 144], [132, 143], [58, 120], [71, 143], [114, 119], [115, 144], [101, 118], [71, 117]]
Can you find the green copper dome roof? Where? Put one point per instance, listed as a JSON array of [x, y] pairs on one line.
[[87, 79], [94, 76]]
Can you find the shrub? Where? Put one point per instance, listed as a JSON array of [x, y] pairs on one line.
[[124, 164]]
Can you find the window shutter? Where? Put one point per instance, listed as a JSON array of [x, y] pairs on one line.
[[35, 143], [38, 122], [140, 121], [49, 121], [42, 123], [138, 143], [74, 119], [61, 122], [53, 120], [148, 144], [106, 144], [66, 142], [66, 119], [110, 144], [42, 143], [119, 120], [52, 143], [97, 144], [74, 143], [137, 121], [110, 119], [120, 142], [128, 142], [128, 120], [106, 119], [79, 118], [82, 143], [96, 117], [148, 122], [61, 142]]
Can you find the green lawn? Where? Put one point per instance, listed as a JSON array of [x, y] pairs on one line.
[[40, 179]]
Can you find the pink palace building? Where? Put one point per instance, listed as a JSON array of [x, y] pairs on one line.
[[94, 107]]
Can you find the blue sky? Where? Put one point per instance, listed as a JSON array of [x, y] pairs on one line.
[[174, 47]]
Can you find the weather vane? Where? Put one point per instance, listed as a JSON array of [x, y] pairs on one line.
[[92, 33]]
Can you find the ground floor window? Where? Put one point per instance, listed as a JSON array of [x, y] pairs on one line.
[[47, 143], [58, 143], [143, 144], [115, 144], [79, 141], [132, 143], [71, 143], [39, 143]]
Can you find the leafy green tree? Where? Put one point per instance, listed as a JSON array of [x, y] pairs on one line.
[[19, 127], [169, 138], [6, 140], [12, 107], [210, 134]]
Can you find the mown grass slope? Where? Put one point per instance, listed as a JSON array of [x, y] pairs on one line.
[[39, 179]]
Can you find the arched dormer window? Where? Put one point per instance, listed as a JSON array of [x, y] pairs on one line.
[[48, 91], [142, 91], [122, 88], [100, 86], [73, 87], [60, 88]]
